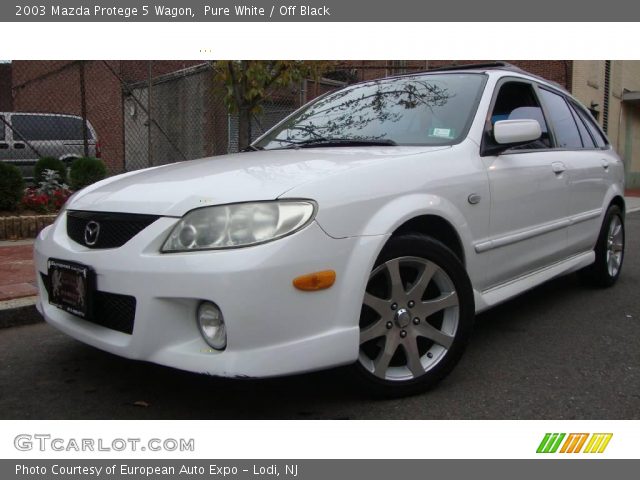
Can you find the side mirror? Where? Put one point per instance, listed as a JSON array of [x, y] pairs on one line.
[[516, 132], [510, 133]]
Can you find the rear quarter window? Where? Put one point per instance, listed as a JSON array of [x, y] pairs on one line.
[[587, 118], [587, 141]]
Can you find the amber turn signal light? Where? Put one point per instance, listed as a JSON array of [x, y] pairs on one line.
[[315, 281]]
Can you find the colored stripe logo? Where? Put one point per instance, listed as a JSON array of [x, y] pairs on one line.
[[574, 443]]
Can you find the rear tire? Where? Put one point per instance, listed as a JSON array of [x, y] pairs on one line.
[[416, 318], [609, 250]]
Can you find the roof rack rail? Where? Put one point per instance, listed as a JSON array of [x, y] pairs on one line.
[[489, 66], [498, 65], [467, 66], [476, 66]]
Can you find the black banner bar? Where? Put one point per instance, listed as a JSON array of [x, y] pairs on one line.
[[317, 469], [320, 11]]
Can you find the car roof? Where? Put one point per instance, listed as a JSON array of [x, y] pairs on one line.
[[499, 69]]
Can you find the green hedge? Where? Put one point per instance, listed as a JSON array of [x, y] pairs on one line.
[[85, 171], [49, 163], [11, 186]]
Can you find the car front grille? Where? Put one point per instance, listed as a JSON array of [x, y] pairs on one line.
[[110, 310], [108, 230]]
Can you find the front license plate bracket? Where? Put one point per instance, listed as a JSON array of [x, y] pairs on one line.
[[71, 287]]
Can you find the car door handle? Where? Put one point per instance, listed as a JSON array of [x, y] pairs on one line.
[[18, 145], [558, 167], [605, 163]]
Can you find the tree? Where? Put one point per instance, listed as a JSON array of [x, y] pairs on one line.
[[248, 83]]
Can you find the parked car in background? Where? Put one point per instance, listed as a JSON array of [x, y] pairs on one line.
[[26, 137], [366, 229]]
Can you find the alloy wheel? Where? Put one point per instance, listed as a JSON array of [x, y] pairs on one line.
[[615, 246], [409, 318]]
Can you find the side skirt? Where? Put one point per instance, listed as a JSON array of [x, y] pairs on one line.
[[501, 293]]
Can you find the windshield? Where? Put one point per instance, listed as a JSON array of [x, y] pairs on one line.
[[434, 109]]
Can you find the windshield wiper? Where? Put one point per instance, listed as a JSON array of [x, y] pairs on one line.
[[252, 148], [342, 142]]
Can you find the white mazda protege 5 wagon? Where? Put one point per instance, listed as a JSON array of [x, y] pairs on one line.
[[366, 229]]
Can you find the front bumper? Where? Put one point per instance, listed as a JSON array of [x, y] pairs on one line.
[[273, 329]]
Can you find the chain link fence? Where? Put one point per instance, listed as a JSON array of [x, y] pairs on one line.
[[137, 114], [132, 114]]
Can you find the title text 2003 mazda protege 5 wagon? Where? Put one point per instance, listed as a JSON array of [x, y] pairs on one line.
[[367, 228]]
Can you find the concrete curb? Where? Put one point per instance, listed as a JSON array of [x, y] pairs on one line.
[[18, 312]]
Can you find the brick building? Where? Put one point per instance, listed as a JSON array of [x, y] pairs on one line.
[[58, 87], [6, 100], [188, 119]]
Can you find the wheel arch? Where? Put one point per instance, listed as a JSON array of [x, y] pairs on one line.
[[435, 227], [430, 215], [619, 201]]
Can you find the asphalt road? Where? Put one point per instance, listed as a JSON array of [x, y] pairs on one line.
[[561, 351]]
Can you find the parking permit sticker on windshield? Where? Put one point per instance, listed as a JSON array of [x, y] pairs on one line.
[[441, 132]]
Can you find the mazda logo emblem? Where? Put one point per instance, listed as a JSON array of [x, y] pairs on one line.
[[91, 233]]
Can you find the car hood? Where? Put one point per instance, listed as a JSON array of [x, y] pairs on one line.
[[173, 190]]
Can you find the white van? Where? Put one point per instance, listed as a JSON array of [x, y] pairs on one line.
[[26, 137]]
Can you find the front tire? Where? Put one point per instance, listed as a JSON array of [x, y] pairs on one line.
[[609, 250], [416, 317]]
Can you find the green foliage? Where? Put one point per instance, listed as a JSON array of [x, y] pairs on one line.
[[246, 84], [49, 163], [85, 171], [11, 186]]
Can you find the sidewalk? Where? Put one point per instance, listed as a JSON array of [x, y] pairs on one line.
[[17, 274], [632, 203], [17, 284]]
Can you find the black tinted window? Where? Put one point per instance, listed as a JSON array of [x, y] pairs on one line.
[[48, 127], [588, 120], [2, 128], [564, 126]]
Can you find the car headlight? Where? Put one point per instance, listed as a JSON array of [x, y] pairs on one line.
[[238, 225]]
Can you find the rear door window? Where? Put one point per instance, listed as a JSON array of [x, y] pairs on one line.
[[49, 127], [564, 125]]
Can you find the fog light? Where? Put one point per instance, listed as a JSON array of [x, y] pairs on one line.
[[211, 325]]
